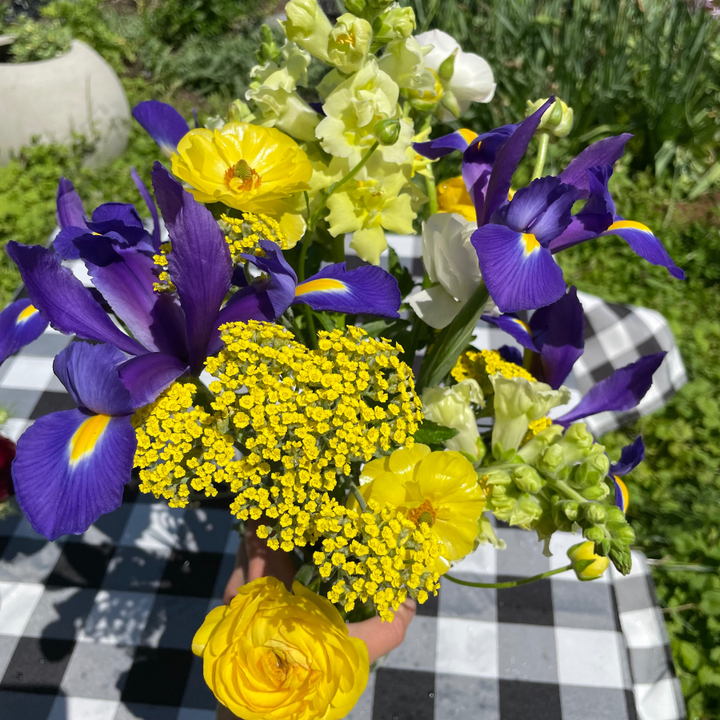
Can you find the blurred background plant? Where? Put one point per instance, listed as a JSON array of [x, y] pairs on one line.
[[650, 67]]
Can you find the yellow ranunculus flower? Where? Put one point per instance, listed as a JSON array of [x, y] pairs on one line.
[[248, 167], [439, 488], [453, 197], [281, 655]]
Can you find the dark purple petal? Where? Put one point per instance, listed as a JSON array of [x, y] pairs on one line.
[[145, 194], [124, 213], [20, 324], [70, 211], [559, 333], [64, 242], [527, 204], [507, 160], [63, 301], [623, 390], [147, 376], [125, 277], [70, 469], [511, 354], [281, 288], [514, 327], [439, 147], [90, 375], [165, 125], [367, 290], [604, 152], [630, 457], [199, 263], [519, 273], [557, 216]]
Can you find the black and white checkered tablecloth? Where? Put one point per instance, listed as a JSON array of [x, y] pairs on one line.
[[98, 627]]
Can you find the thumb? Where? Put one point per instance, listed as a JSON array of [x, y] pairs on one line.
[[381, 636]]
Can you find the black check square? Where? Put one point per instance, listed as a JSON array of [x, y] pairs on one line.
[[404, 695], [81, 565], [50, 402], [517, 696], [527, 604], [38, 665], [191, 574], [158, 676]]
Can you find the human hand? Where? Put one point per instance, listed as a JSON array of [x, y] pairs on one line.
[[256, 560]]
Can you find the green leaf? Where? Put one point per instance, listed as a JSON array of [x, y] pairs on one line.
[[690, 657], [430, 433], [710, 603], [400, 273]]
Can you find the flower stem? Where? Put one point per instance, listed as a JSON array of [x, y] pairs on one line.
[[544, 140], [563, 487], [355, 490], [431, 191], [511, 583]]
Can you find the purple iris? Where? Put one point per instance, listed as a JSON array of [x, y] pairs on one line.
[[20, 324], [630, 457], [165, 125], [71, 466]]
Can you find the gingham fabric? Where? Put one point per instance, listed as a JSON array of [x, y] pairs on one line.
[[98, 627]]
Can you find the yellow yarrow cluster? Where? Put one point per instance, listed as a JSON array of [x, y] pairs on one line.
[[378, 555], [244, 234], [179, 446], [480, 364], [164, 284], [302, 417]]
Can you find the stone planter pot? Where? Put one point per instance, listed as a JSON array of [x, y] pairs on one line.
[[74, 93]]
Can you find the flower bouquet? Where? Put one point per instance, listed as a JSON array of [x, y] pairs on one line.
[[360, 439]]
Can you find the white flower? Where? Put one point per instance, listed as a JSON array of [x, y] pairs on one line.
[[472, 79], [451, 263]]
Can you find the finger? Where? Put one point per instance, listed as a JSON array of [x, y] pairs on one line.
[[263, 561], [382, 637], [239, 575]]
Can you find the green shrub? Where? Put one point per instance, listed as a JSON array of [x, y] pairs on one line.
[[38, 40]]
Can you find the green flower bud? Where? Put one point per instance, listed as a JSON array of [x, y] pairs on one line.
[[552, 461], [426, 97], [526, 512], [592, 470], [621, 559], [531, 450], [487, 534], [570, 509], [527, 479], [495, 477], [269, 51], [387, 132], [595, 534], [616, 515], [624, 535], [447, 66], [239, 112], [397, 23], [578, 443], [349, 43], [586, 563], [594, 513], [449, 102], [308, 26], [357, 7], [596, 492], [557, 119]]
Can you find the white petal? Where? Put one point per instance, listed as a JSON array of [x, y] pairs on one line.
[[473, 79], [443, 46], [435, 306]]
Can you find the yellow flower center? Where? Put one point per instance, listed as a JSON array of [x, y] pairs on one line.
[[249, 179], [276, 665], [86, 437], [424, 513], [346, 39]]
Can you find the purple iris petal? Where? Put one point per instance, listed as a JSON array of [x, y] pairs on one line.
[[147, 376], [507, 160], [559, 333], [604, 152], [630, 457], [90, 375], [125, 277], [519, 273], [511, 355], [367, 290], [514, 327], [439, 147], [623, 390], [70, 469], [199, 264], [70, 211], [145, 194], [64, 242], [281, 288], [557, 217], [162, 122], [62, 299], [527, 204], [20, 324], [124, 213]]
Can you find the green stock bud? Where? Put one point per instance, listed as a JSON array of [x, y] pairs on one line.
[[578, 443], [615, 515], [349, 43], [596, 492], [428, 95], [447, 66], [594, 513], [552, 461], [557, 119], [308, 26], [356, 7], [269, 51], [527, 479], [495, 477], [531, 450], [595, 534], [621, 559], [487, 535], [586, 563], [526, 512], [449, 102], [624, 535], [569, 509], [397, 23], [591, 471], [239, 112], [387, 132]]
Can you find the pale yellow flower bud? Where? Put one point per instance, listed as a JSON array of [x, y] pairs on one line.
[[308, 26], [349, 43]]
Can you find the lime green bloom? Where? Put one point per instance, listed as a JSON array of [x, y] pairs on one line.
[[452, 408], [349, 43], [352, 110], [517, 403], [369, 204], [397, 23], [586, 564], [403, 62], [273, 92], [308, 26], [439, 489]]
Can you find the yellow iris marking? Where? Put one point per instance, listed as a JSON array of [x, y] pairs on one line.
[[320, 285], [624, 492], [28, 312], [523, 325], [468, 135], [629, 225], [86, 437], [531, 243]]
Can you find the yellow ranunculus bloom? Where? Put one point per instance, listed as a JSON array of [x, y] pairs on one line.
[[281, 655], [248, 167], [453, 197], [438, 488]]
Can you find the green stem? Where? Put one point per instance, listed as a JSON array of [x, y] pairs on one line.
[[510, 584], [544, 140], [355, 490], [431, 191], [565, 488], [312, 336], [452, 341]]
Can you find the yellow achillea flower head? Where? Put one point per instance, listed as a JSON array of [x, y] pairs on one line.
[[244, 234], [247, 167], [276, 654], [453, 197], [437, 489], [480, 364]]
